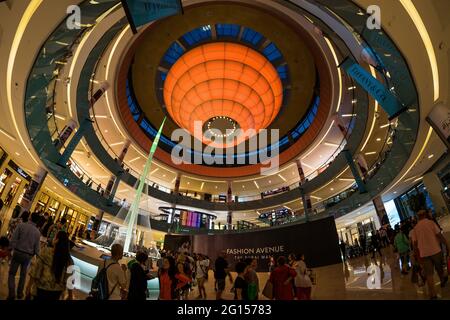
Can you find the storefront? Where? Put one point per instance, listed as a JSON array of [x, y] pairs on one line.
[[77, 219], [417, 196], [13, 182]]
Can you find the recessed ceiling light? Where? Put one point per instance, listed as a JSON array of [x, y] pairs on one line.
[[378, 139], [164, 175], [395, 192], [270, 181], [332, 189], [88, 164], [18, 153], [430, 156], [54, 188], [320, 156], [216, 187], [243, 187], [188, 182]]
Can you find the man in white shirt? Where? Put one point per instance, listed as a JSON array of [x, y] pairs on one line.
[[201, 274], [427, 240], [116, 274]]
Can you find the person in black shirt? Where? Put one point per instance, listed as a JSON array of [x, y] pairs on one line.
[[240, 285], [138, 278], [220, 273]]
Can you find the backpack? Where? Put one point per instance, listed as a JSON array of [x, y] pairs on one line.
[[100, 287]]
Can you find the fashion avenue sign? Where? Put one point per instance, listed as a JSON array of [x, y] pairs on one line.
[[263, 250]]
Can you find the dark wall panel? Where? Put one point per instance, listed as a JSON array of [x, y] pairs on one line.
[[318, 240]]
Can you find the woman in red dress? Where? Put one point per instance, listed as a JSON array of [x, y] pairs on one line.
[[281, 279]]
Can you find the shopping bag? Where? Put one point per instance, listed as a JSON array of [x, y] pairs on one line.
[[268, 290]]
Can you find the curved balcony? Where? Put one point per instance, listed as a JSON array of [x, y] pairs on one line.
[[38, 101]]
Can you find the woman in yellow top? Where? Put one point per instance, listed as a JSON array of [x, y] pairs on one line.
[[49, 274]]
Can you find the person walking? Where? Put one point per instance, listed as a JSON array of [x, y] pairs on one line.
[[221, 271], [49, 273], [401, 244], [281, 279], [427, 239], [25, 244]]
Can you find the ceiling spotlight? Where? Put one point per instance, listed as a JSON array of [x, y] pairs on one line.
[[430, 156], [270, 181], [106, 131], [332, 189], [216, 187], [378, 139]]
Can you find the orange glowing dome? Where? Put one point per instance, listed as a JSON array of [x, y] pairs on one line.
[[223, 80]]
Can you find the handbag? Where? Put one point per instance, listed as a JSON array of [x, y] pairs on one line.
[[268, 290]]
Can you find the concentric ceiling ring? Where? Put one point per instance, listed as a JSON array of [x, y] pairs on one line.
[[223, 79]]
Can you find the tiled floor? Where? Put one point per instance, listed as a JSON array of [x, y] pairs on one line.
[[341, 281]]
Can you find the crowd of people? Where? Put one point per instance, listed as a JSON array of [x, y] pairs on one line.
[[419, 244], [40, 248]]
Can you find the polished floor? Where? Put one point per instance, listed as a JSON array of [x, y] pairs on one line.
[[347, 281]]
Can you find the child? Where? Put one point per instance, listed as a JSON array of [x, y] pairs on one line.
[[5, 253]]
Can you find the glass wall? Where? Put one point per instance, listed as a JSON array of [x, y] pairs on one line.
[[404, 202]]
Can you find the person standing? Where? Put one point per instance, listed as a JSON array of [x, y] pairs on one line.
[[25, 243], [281, 279], [362, 242], [221, 271], [201, 275], [303, 283], [427, 239], [167, 280], [240, 284], [137, 291], [55, 228], [49, 273], [252, 279], [116, 274], [376, 245]]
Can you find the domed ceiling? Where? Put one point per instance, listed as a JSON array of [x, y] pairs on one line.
[[227, 81], [230, 67]]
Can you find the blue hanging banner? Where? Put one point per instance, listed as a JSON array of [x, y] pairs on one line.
[[141, 12], [375, 88]]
